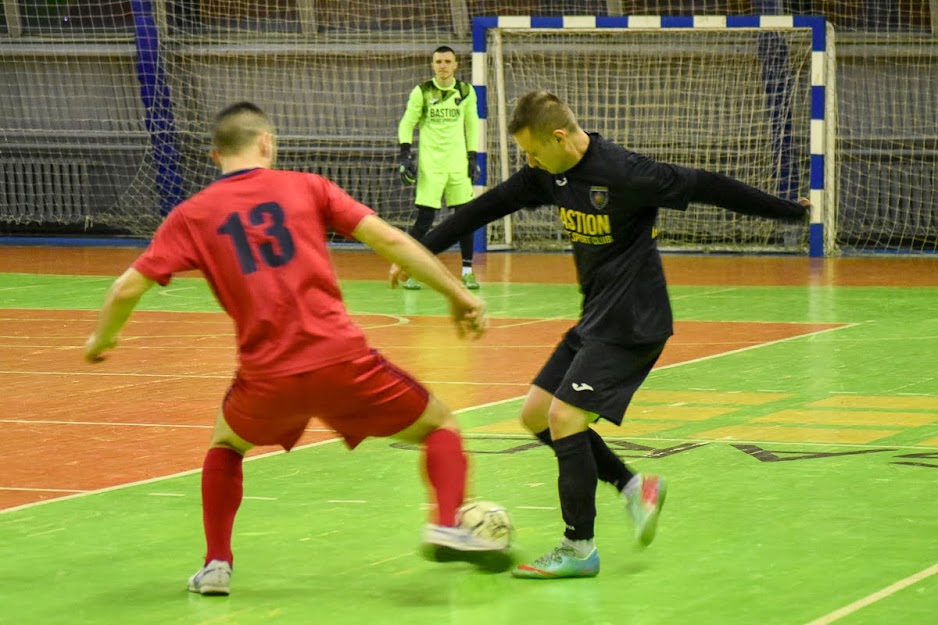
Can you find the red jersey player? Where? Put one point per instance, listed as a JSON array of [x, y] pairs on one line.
[[259, 237]]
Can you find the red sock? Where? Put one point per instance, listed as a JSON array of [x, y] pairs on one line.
[[446, 470], [221, 496]]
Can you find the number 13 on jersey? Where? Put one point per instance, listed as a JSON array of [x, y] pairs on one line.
[[269, 213]]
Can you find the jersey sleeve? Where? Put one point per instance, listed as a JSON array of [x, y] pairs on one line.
[[521, 190], [731, 194], [405, 129], [170, 251], [471, 118], [343, 212], [659, 184]]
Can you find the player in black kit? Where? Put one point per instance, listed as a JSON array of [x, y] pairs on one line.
[[609, 198]]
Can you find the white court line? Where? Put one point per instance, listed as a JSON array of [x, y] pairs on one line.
[[151, 480], [193, 471], [729, 289], [316, 444], [727, 441], [478, 407], [757, 346], [469, 433], [204, 376], [858, 605], [44, 490], [129, 425], [529, 322], [199, 376]]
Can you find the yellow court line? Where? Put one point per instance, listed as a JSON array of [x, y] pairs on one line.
[[791, 434], [630, 428], [513, 426], [849, 417], [677, 413], [708, 397], [901, 402]]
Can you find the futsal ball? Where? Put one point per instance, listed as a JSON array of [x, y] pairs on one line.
[[486, 520]]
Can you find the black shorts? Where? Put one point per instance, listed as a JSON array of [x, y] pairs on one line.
[[597, 377]]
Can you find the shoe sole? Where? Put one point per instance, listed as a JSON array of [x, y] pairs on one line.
[[647, 535], [491, 561], [211, 591], [522, 574]]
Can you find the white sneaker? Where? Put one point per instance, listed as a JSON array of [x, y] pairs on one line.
[[442, 543], [212, 579]]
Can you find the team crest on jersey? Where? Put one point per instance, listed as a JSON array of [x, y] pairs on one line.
[[599, 197]]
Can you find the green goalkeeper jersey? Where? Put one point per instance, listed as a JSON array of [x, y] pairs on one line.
[[449, 125]]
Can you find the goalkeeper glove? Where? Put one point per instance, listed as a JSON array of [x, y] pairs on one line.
[[407, 166], [475, 172]]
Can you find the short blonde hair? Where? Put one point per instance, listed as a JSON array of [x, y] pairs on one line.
[[541, 112]]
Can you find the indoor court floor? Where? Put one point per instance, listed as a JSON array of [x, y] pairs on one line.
[[794, 412]]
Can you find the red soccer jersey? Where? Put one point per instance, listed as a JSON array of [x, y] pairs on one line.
[[259, 237]]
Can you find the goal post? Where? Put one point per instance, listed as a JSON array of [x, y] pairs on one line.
[[749, 96]]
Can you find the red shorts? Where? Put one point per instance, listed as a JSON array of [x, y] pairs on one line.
[[365, 397]]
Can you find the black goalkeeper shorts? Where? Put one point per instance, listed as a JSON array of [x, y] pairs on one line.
[[597, 377]]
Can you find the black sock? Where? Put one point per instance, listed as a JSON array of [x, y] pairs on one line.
[[466, 249], [466, 243], [545, 437], [609, 466], [576, 484]]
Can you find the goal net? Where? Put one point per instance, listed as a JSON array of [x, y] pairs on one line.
[[107, 105], [734, 99]]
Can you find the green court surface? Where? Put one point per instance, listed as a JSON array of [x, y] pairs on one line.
[[803, 489]]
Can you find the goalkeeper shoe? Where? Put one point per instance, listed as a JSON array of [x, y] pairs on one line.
[[563, 561], [644, 497], [212, 579], [469, 279], [411, 285], [442, 543]]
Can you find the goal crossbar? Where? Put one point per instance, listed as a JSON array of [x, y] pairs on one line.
[[821, 131]]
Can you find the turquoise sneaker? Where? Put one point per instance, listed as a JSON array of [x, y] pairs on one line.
[[561, 562], [411, 285], [469, 279], [644, 497]]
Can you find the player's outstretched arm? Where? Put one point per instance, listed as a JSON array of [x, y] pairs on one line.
[[401, 249], [739, 197], [120, 301]]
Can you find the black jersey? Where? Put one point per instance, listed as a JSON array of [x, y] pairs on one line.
[[608, 204]]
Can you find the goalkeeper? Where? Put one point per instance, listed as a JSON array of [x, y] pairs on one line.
[[444, 108], [609, 198]]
